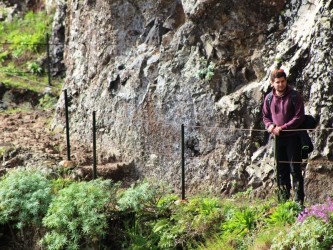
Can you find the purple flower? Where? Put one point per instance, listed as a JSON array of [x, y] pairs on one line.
[[320, 211]]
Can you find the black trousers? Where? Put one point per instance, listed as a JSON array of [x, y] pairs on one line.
[[289, 155]]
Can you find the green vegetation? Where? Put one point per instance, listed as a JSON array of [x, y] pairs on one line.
[[77, 215], [47, 101], [206, 70], [24, 198], [278, 62], [27, 34], [23, 55], [311, 234], [66, 214]]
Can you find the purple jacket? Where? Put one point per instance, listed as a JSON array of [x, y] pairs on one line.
[[282, 112]]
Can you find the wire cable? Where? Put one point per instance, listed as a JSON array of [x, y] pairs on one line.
[[29, 44], [26, 79]]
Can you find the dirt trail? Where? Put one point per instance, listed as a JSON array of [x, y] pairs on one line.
[[29, 131], [26, 140]]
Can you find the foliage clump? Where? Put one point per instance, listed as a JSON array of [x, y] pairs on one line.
[[137, 198], [311, 234], [312, 230], [27, 34], [206, 70], [320, 211], [67, 214], [159, 220], [77, 215], [23, 55], [284, 213], [189, 222], [24, 198]]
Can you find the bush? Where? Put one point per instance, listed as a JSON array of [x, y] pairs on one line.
[[189, 222], [139, 198], [77, 216], [35, 68], [311, 234], [29, 33], [141, 205], [241, 221], [47, 102], [284, 213], [313, 230], [24, 198]]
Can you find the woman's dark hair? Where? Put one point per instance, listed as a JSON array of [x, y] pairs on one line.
[[278, 73]]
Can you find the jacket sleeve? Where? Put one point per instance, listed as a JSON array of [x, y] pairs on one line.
[[267, 115], [299, 116]]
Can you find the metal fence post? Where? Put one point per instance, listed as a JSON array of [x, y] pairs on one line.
[[277, 168], [94, 147], [67, 127], [48, 59], [183, 160]]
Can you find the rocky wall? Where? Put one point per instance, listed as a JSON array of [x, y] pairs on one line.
[[146, 67]]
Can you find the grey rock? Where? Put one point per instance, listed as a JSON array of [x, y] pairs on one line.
[[161, 43]]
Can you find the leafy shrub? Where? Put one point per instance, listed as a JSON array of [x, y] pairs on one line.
[[284, 213], [189, 222], [142, 204], [203, 211], [158, 220], [241, 221], [139, 197], [264, 237], [59, 184], [311, 234], [77, 216], [29, 33], [24, 198], [313, 229], [26, 38], [35, 68], [3, 56], [47, 102], [217, 243], [166, 204]]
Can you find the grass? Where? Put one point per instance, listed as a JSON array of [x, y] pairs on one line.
[[27, 33], [265, 236], [23, 56], [34, 84]]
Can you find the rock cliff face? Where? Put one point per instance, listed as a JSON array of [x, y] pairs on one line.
[[146, 67]]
